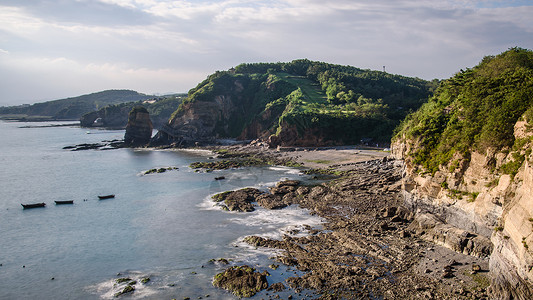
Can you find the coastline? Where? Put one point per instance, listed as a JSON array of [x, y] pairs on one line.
[[367, 247]]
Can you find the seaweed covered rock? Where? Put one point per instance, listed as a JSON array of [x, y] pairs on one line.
[[139, 128], [242, 281], [240, 200]]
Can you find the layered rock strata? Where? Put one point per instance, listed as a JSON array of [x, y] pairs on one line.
[[478, 210]]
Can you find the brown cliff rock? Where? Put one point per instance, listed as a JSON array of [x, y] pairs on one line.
[[477, 209]]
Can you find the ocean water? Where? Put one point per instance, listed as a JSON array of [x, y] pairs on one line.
[[162, 226]]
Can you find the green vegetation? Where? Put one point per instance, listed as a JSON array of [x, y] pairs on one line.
[[73, 108], [319, 161], [342, 104], [474, 110]]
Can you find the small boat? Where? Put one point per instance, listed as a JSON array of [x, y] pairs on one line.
[[64, 202], [106, 197], [34, 205], [220, 178]]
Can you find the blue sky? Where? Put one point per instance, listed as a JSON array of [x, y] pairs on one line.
[[51, 49]]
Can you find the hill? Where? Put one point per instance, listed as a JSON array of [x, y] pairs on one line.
[[72, 108], [468, 168], [302, 103], [475, 110], [116, 115]]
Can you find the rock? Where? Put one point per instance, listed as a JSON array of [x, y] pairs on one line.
[[270, 201], [476, 268], [276, 287], [258, 241], [240, 200], [405, 234], [139, 128], [243, 281], [288, 183], [145, 280], [127, 289], [122, 280], [282, 190]]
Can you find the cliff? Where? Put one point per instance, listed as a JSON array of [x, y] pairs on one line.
[[468, 168], [139, 127], [300, 103]]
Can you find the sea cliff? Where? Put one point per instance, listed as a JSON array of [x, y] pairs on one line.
[[467, 168]]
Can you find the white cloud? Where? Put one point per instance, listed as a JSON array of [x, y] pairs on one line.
[[176, 44]]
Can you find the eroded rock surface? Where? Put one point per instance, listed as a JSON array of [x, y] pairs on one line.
[[242, 281], [139, 128], [366, 248]]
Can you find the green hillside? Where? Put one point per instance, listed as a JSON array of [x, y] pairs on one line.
[[73, 108], [475, 110], [340, 104]]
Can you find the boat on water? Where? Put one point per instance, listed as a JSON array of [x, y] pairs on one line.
[[33, 205], [220, 178], [106, 197], [59, 202]]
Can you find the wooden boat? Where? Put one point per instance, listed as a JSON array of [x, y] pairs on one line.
[[220, 178], [64, 202], [106, 197], [33, 205]]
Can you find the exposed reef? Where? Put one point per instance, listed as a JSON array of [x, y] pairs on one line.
[[369, 246]]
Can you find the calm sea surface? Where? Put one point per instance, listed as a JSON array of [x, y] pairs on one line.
[[161, 226]]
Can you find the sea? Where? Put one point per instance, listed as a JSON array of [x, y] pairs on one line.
[[161, 226]]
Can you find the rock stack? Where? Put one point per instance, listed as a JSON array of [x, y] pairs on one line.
[[139, 128]]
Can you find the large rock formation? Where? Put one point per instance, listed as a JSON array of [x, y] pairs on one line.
[[139, 128], [477, 211], [468, 171]]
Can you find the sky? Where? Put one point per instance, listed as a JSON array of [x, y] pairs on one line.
[[53, 49]]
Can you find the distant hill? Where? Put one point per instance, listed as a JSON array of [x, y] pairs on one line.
[[116, 115], [302, 103], [73, 108]]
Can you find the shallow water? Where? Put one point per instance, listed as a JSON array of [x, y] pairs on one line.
[[160, 225]]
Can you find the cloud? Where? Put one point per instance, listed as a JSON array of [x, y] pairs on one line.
[[117, 42]]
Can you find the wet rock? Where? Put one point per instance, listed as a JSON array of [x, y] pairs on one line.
[[276, 287], [240, 200], [270, 201], [258, 241], [145, 280], [242, 281], [288, 183], [122, 280], [127, 289], [282, 190]]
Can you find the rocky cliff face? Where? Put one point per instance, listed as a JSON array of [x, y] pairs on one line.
[[476, 209], [225, 112], [139, 128]]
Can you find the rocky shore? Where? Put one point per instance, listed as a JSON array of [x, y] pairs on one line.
[[369, 247]]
